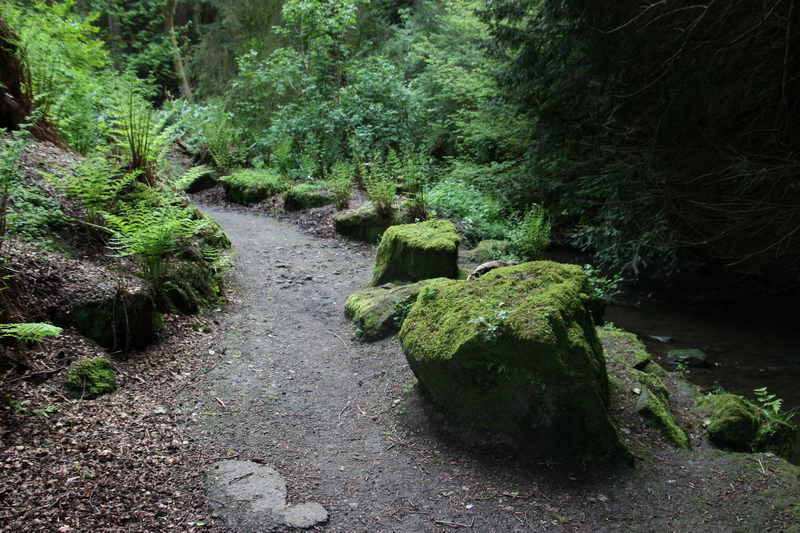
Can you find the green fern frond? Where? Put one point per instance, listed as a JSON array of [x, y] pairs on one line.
[[30, 332]]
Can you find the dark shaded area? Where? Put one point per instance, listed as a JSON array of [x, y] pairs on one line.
[[15, 99]]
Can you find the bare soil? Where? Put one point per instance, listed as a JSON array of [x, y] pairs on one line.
[[276, 376]]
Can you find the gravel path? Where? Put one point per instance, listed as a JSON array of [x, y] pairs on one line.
[[342, 422]]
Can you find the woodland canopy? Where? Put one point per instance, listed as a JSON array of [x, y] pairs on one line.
[[662, 137]]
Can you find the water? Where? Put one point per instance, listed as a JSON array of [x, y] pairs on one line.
[[751, 340], [750, 343]]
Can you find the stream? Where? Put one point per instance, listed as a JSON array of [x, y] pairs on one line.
[[751, 341]]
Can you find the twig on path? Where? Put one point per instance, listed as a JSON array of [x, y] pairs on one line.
[[360, 411], [43, 372], [454, 524], [341, 339], [343, 410], [220, 402], [240, 477]]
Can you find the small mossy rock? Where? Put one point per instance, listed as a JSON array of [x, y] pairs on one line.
[[373, 310], [212, 234], [654, 405], [689, 357], [540, 378], [414, 252], [201, 182], [122, 320], [777, 437], [191, 287], [250, 186], [654, 368], [91, 378], [306, 196], [363, 223], [743, 426], [734, 421]]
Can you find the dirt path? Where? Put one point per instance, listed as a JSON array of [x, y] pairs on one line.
[[340, 420]]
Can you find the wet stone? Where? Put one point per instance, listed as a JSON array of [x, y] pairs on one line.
[[689, 357]]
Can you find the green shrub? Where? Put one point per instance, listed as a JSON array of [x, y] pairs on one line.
[[529, 234], [96, 182], [34, 216], [381, 188], [340, 184], [151, 234], [480, 213]]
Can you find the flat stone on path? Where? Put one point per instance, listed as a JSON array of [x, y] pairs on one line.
[[252, 498]]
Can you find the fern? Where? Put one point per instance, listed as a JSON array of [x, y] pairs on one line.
[[381, 188], [29, 332], [96, 182], [142, 136], [151, 234]]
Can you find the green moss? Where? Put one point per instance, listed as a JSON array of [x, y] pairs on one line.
[[212, 234], [734, 421], [91, 378], [543, 381], [306, 196], [373, 310], [363, 223], [414, 252], [121, 321], [631, 352], [654, 405], [744, 426], [250, 186]]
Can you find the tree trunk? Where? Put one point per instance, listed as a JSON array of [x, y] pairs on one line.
[[168, 9]]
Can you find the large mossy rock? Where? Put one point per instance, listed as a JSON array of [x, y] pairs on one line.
[[363, 223], [741, 425], [201, 182], [306, 196], [516, 352], [251, 186], [122, 320], [414, 252], [637, 374], [374, 311]]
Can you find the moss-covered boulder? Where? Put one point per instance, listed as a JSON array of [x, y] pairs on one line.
[[377, 312], [251, 186], [306, 196], [638, 375], [120, 320], [516, 352], [743, 426], [414, 252], [91, 378], [363, 223], [212, 233], [732, 420], [202, 181]]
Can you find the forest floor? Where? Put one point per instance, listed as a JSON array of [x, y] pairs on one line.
[[276, 376]]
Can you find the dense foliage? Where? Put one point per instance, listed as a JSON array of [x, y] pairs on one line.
[[660, 137]]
